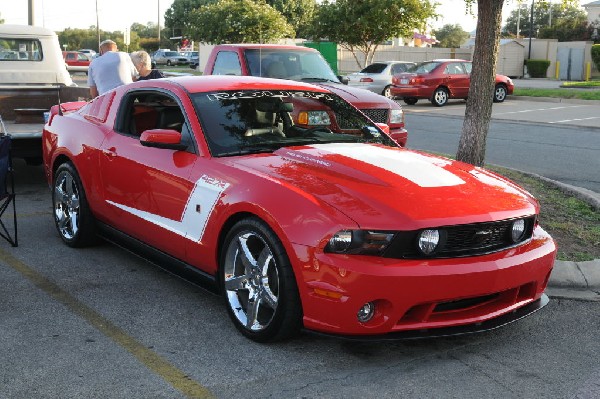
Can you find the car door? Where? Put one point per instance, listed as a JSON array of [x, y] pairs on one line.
[[146, 189], [457, 80]]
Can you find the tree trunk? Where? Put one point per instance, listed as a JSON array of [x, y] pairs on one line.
[[478, 113]]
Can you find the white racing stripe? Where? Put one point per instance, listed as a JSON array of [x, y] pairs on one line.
[[424, 172], [192, 224]]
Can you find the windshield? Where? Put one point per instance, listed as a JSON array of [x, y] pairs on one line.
[[374, 68], [305, 66], [425, 67], [255, 121]]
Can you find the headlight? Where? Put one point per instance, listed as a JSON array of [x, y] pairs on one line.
[[518, 230], [428, 241], [396, 116], [314, 118], [359, 242]]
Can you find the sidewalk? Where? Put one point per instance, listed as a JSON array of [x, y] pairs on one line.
[[575, 280]]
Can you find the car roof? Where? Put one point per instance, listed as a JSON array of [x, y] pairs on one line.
[[267, 46], [212, 83], [18, 30]]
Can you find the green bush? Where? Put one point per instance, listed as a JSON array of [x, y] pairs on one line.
[[537, 68], [596, 55]]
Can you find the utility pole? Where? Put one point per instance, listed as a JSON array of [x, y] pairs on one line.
[[158, 19], [97, 26], [30, 10], [530, 29]]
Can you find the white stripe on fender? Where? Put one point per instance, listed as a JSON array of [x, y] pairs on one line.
[[192, 224], [424, 172]]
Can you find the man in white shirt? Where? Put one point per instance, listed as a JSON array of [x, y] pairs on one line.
[[111, 69]]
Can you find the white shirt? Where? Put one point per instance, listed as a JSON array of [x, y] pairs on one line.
[[110, 70]]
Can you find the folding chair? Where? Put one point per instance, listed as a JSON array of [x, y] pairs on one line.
[[7, 187]]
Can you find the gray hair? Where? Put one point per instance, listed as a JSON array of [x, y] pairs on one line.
[[141, 57], [107, 45]]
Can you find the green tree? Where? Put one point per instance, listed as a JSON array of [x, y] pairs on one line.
[[450, 36], [148, 30], [239, 21], [178, 17], [547, 19], [88, 38], [362, 25], [299, 13]]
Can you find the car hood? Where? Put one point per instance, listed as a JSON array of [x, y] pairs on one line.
[[390, 188], [360, 98]]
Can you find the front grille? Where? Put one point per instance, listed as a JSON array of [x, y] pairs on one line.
[[462, 240], [377, 115]]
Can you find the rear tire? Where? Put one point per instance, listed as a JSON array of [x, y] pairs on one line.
[[258, 283], [440, 97], [500, 93], [72, 216], [387, 92]]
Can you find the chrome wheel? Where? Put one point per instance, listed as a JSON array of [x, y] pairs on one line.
[[499, 94], [251, 280], [258, 283], [72, 216], [387, 92], [440, 97], [66, 205]]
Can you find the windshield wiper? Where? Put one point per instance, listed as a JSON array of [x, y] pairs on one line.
[[314, 79], [252, 149]]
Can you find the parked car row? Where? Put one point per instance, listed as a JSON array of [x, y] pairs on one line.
[[436, 81]]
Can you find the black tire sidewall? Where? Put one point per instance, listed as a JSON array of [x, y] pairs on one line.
[[433, 100], [288, 316], [86, 234]]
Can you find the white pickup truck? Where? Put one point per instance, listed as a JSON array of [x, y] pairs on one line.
[[33, 77]]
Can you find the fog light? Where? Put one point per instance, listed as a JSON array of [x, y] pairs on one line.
[[428, 241], [366, 312], [518, 229]]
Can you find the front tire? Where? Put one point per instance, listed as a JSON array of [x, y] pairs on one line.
[[500, 93], [440, 97], [72, 216], [258, 283]]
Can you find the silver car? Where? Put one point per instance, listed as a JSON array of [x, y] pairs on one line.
[[377, 77], [168, 57]]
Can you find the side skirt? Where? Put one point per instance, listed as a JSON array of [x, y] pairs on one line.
[[161, 259]]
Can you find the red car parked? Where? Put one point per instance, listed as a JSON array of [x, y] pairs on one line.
[[441, 80], [299, 220], [76, 61]]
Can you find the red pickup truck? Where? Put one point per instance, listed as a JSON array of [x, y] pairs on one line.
[[306, 65]]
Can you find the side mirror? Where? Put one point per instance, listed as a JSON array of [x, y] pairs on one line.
[[343, 79], [162, 138]]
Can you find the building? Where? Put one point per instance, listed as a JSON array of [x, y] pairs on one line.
[[593, 12]]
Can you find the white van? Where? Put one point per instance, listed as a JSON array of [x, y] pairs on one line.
[[31, 56]]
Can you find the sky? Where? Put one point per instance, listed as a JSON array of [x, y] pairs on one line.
[[117, 14]]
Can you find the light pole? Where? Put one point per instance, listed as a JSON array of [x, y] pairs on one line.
[[530, 29]]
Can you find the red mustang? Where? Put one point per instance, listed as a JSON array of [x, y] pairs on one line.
[[440, 80], [296, 207]]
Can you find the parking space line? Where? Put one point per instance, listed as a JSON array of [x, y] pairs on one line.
[[167, 371], [575, 120], [538, 109]]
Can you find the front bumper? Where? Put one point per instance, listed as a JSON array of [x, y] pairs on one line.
[[424, 297]]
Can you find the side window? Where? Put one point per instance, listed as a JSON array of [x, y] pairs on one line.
[[12, 49], [397, 68], [454, 69], [146, 110], [468, 66], [82, 57], [227, 63]]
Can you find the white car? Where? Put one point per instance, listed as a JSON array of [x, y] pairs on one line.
[[377, 77]]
